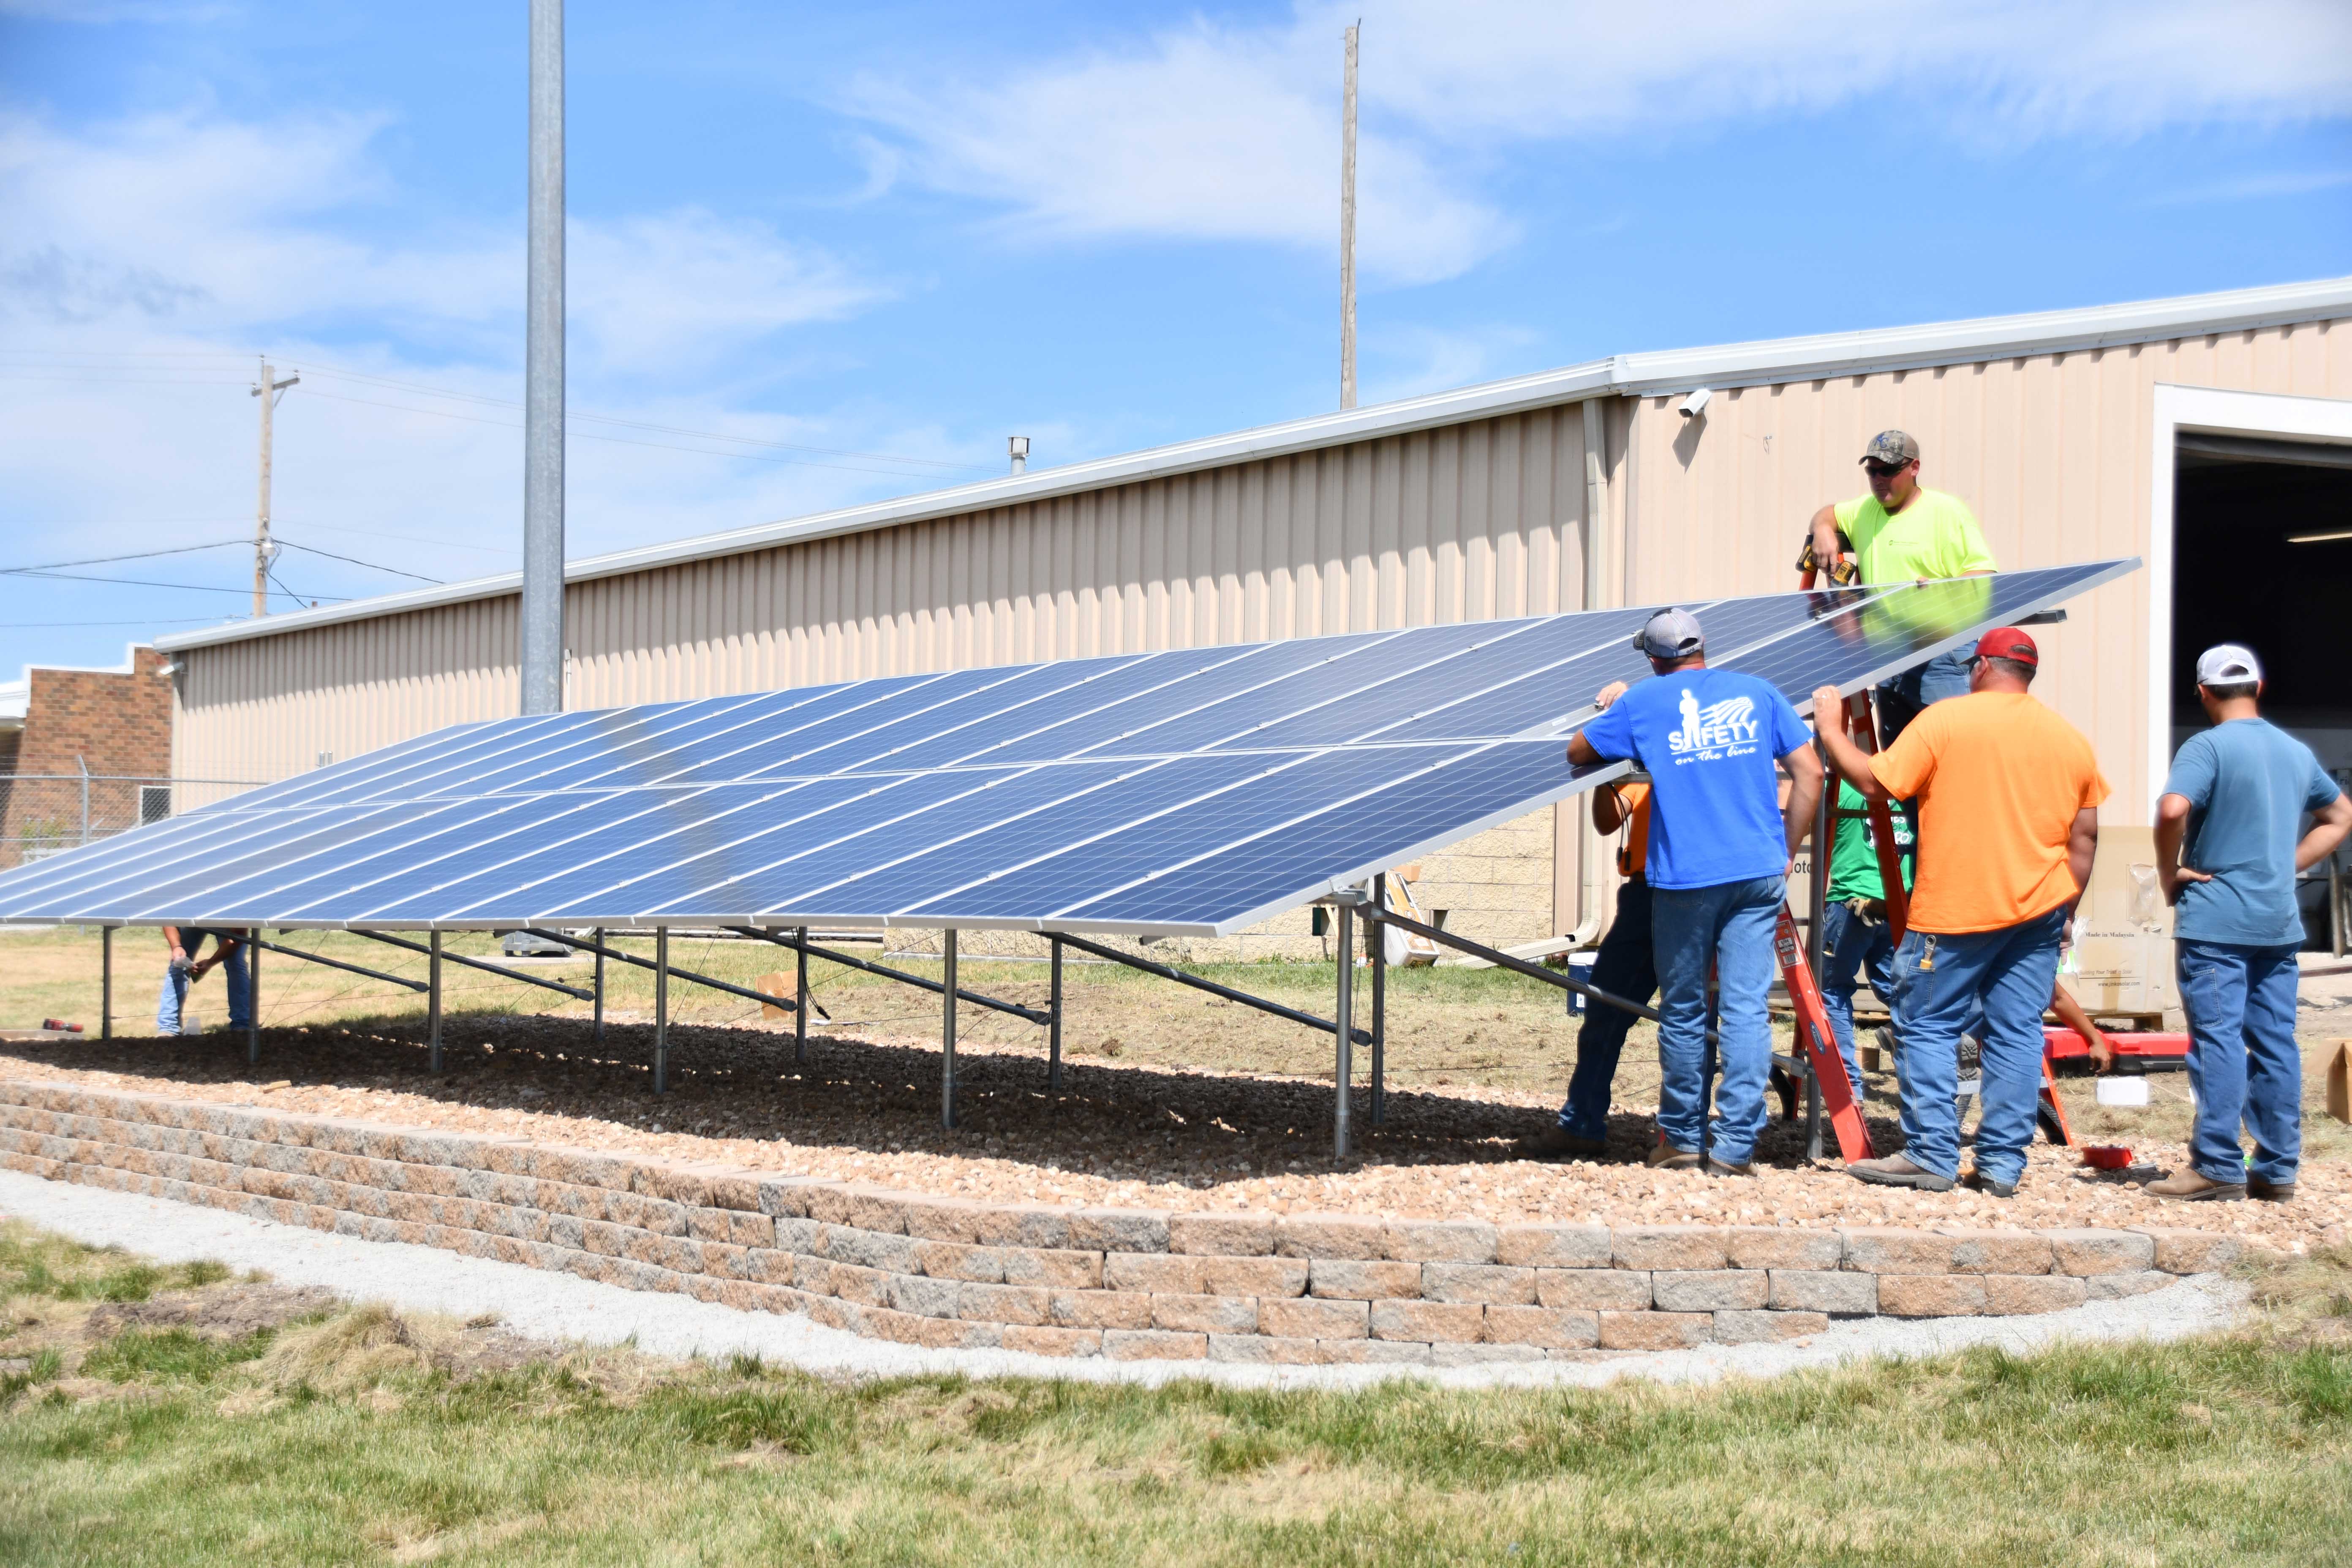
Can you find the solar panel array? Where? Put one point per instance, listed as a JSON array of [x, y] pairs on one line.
[[1196, 791]]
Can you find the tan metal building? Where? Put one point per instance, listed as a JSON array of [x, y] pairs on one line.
[[2067, 432]]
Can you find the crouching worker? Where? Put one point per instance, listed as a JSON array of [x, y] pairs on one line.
[[1717, 867], [185, 969], [2227, 853], [1623, 967], [2008, 821]]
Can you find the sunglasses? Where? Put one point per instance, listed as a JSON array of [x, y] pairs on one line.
[[1884, 470]]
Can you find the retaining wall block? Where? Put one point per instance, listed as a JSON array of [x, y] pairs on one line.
[[2126, 1282], [1220, 1235], [1554, 1247], [867, 1286], [1594, 1289], [1432, 1322], [942, 1219], [2192, 1251], [1709, 1289], [2016, 1295], [1061, 1267], [1033, 1341], [1098, 1308], [1155, 1273], [1480, 1282], [1655, 1331], [1482, 1354], [1550, 1327], [1680, 1246], [1001, 1303], [1024, 1225], [767, 1265], [1931, 1295], [1319, 1235], [1439, 1240], [1377, 1352], [873, 1249], [1270, 1278], [1779, 1246], [1743, 1327], [1153, 1344], [2000, 1251], [659, 1215], [2086, 1252], [787, 1197], [1264, 1350], [1823, 1290], [958, 1261], [925, 1297], [1889, 1249], [1119, 1230], [1313, 1319], [806, 1236], [1354, 1279], [1206, 1314], [813, 1275]]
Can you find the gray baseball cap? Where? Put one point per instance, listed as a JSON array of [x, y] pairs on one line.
[[1895, 446], [2228, 663], [1671, 634]]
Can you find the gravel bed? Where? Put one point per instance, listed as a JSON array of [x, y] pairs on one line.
[[867, 1110]]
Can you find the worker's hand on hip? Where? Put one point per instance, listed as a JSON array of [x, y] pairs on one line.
[[1826, 701], [1608, 695], [2171, 881]]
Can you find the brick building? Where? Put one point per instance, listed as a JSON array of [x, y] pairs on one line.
[[59, 722]]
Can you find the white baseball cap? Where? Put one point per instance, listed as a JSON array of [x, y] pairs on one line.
[[2228, 663]]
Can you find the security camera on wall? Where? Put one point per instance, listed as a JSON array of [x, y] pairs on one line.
[[1695, 403]]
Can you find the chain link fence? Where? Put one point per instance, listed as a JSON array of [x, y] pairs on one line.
[[43, 815]]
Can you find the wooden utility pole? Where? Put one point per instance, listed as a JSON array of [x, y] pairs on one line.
[[264, 547], [1347, 231]]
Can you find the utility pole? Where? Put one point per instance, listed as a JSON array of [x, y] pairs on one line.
[[265, 549], [542, 441], [1347, 231]]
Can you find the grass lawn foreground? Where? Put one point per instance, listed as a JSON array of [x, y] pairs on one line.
[[175, 1414]]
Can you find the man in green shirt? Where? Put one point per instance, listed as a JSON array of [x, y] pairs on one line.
[[1855, 938], [1903, 531]]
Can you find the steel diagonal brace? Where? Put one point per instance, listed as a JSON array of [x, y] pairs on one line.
[[1167, 972], [1030, 1014], [449, 957], [338, 964], [615, 954]]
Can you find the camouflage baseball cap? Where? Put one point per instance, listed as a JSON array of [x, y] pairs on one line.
[[1893, 447]]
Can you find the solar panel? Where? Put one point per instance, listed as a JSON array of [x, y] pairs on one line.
[[1189, 792]]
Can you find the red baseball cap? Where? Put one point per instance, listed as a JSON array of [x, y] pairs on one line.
[[2009, 642]]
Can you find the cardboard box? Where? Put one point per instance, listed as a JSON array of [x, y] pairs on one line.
[[2340, 1082], [2122, 962]]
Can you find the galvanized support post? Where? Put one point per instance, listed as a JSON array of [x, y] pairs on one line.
[[661, 1009], [599, 987], [252, 999], [947, 1032], [106, 983], [1344, 1017], [433, 1000], [1376, 937], [543, 442], [1053, 1029], [799, 994]]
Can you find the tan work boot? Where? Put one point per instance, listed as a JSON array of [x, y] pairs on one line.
[[1664, 1156], [2189, 1185], [1895, 1171], [1557, 1142], [2266, 1191]]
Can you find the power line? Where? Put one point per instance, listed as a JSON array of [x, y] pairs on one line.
[[355, 560], [137, 583], [134, 555], [150, 621]]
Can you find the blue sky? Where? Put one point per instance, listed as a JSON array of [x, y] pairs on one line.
[[880, 238]]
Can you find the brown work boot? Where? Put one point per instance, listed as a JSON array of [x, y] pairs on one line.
[[2269, 1192], [1664, 1156], [1715, 1167], [1895, 1171], [1557, 1142], [2189, 1186]]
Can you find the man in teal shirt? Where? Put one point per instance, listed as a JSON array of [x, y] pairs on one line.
[[1855, 938], [1903, 531], [2227, 851]]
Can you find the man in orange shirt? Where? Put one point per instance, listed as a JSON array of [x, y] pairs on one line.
[[2008, 799]]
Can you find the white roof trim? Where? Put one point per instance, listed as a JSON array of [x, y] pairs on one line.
[[1729, 364]]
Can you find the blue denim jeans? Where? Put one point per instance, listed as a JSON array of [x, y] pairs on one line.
[[1941, 984], [1729, 925], [1909, 694], [1623, 967], [2242, 1060], [1853, 947], [173, 1002]]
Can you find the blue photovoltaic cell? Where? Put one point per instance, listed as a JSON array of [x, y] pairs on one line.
[[1191, 791]]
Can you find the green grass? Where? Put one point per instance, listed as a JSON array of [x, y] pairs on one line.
[[32, 1264]]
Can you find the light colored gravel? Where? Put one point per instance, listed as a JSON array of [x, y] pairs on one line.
[[559, 1308]]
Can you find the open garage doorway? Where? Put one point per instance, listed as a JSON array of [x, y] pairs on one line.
[[2262, 555]]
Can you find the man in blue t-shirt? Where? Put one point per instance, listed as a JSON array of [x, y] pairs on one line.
[[1717, 867], [2227, 851]]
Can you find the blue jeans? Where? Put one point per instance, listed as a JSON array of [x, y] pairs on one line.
[[2006, 976], [1909, 694], [1852, 947], [173, 1002], [1623, 967], [2242, 1060], [1729, 925]]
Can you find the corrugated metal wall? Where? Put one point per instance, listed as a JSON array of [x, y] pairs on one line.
[[1474, 521]]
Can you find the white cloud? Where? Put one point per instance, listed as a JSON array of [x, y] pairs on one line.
[[1224, 133]]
